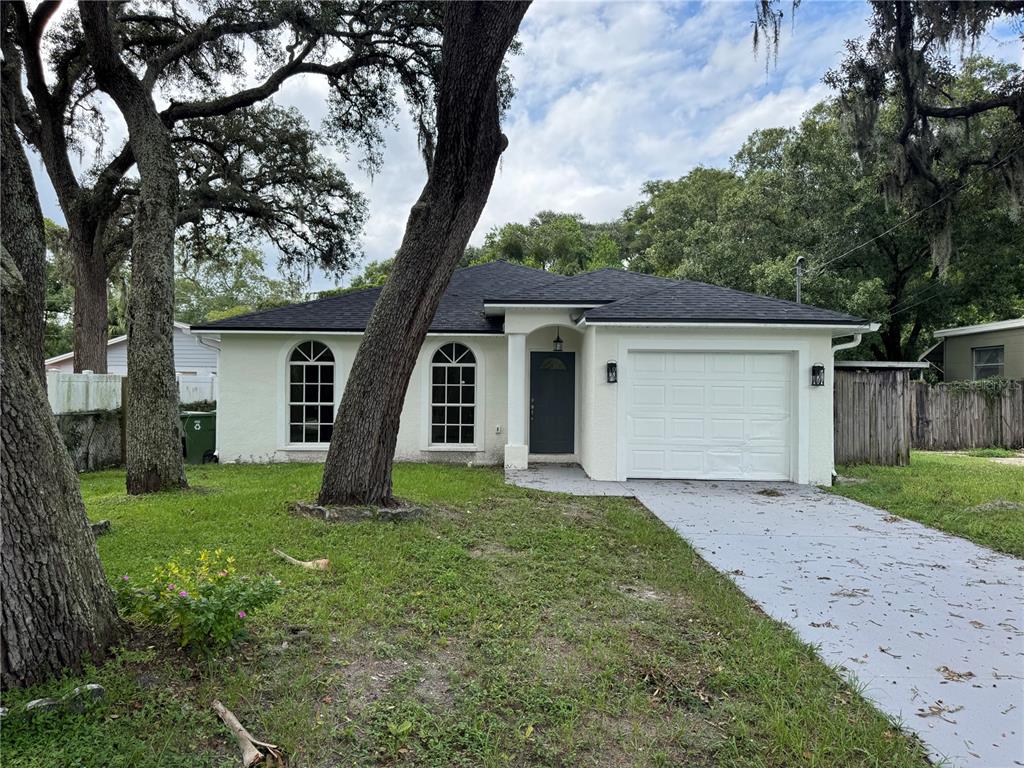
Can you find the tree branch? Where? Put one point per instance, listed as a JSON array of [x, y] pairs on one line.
[[972, 108]]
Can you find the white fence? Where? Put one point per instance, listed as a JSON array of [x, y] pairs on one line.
[[83, 392], [197, 389]]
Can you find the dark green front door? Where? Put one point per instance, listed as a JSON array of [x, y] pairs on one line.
[[552, 402]]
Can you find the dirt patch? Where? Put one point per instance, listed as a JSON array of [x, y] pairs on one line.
[[1013, 461], [998, 505], [647, 594], [771, 493], [434, 686], [365, 680], [491, 549], [366, 514], [840, 480]]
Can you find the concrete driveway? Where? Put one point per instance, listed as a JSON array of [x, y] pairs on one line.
[[930, 625]]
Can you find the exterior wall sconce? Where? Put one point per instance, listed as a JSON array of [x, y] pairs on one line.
[[613, 371], [558, 341], [817, 375]]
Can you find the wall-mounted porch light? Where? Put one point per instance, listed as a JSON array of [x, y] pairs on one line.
[[558, 341], [613, 371], [817, 375]]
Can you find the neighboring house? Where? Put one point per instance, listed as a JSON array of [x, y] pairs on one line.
[[627, 374], [193, 355], [979, 351]]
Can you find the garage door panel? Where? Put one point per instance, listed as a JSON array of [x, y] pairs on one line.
[[653, 362], [768, 464], [714, 415], [687, 395], [687, 429], [688, 362], [768, 366], [722, 396], [684, 462], [723, 463], [648, 461], [773, 398], [645, 427], [768, 430], [725, 363], [649, 394], [726, 429]]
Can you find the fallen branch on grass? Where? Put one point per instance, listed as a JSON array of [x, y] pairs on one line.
[[254, 751], [322, 564]]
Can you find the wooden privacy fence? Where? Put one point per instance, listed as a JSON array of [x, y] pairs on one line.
[[872, 417], [949, 417], [880, 415]]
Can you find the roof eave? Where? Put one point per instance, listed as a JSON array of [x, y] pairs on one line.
[[846, 328], [967, 330], [338, 331]]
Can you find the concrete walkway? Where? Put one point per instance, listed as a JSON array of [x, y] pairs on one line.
[[930, 625]]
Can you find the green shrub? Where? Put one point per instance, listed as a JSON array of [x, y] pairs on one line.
[[207, 603]]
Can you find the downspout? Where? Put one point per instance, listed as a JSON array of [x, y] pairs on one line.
[[836, 348], [847, 344]]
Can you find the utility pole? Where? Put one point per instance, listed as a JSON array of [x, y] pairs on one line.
[[800, 261]]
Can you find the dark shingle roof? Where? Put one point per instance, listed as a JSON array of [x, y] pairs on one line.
[[623, 296], [691, 302], [598, 287], [460, 310]]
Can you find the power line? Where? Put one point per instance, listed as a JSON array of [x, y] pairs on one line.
[[818, 267]]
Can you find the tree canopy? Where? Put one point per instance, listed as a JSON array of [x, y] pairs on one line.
[[232, 281]]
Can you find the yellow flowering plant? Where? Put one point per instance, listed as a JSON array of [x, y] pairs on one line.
[[205, 602]]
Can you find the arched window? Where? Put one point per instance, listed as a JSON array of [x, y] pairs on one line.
[[310, 393], [453, 396]]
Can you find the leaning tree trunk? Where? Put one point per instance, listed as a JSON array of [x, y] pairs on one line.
[[19, 216], [469, 144], [57, 607], [153, 454]]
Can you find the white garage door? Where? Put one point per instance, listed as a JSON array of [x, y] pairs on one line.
[[709, 415]]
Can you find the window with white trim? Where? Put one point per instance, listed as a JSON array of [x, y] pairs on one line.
[[988, 362], [453, 396], [310, 393]]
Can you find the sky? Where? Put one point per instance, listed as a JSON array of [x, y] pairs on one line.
[[608, 96]]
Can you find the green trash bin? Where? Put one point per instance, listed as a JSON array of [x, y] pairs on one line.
[[199, 436]]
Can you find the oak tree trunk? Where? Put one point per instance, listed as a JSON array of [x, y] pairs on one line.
[[19, 216], [90, 309], [57, 607], [469, 144], [153, 454]]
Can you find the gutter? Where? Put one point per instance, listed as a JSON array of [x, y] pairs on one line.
[[856, 339]]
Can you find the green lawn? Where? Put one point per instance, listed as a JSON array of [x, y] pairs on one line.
[[508, 627], [967, 495]]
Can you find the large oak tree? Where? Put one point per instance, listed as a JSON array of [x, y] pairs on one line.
[[153, 456], [57, 607], [213, 65], [462, 163]]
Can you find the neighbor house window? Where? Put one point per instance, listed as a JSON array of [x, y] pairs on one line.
[[310, 393], [988, 362], [453, 396]]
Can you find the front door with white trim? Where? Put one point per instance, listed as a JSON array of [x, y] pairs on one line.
[[709, 415]]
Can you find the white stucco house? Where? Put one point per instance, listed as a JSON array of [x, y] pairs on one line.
[[193, 355], [626, 374]]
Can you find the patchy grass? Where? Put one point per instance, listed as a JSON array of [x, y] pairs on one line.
[[993, 453], [970, 496], [506, 628]]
